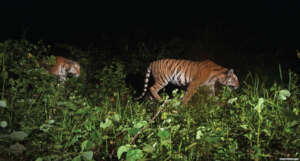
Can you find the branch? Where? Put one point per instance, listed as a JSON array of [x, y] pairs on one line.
[[149, 122]]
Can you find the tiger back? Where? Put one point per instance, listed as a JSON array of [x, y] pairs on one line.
[[188, 73]]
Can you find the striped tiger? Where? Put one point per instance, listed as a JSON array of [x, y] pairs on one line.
[[192, 74], [63, 67]]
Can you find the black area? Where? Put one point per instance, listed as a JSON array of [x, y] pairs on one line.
[[266, 23]]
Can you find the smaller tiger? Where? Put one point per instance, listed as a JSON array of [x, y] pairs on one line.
[[192, 74], [63, 67]]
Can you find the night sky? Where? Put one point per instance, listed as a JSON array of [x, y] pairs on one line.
[[276, 21]]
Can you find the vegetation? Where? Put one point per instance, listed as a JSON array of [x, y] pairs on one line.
[[94, 117]]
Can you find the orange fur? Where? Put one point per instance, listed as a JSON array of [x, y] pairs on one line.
[[188, 73], [63, 66]]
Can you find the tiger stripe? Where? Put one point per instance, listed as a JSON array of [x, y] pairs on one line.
[[63, 67], [188, 73]]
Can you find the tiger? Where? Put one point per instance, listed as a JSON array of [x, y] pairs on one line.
[[193, 74], [63, 67]]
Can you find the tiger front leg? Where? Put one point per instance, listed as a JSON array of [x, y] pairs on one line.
[[62, 78], [212, 90], [62, 73], [191, 90]]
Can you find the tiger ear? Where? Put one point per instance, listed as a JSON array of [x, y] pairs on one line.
[[230, 71]]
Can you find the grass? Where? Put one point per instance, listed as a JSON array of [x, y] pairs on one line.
[[95, 118]]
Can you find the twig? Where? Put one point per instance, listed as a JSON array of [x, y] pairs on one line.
[[149, 122], [140, 131]]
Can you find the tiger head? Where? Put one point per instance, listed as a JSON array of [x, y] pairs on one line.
[[73, 68], [230, 79]]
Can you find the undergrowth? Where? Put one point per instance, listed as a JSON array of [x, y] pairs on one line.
[[94, 117]]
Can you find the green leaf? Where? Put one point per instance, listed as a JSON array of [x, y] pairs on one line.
[[123, 149], [106, 124], [4, 75], [283, 94], [117, 117], [3, 103], [17, 148], [86, 145], [140, 124], [199, 135], [3, 124], [163, 134], [211, 139], [190, 146], [232, 100], [81, 111], [45, 127], [50, 121], [257, 150], [133, 131], [176, 103], [88, 155], [244, 126], [18, 135], [77, 158], [39, 159], [148, 148], [259, 105], [67, 104], [267, 132], [164, 115], [134, 154]]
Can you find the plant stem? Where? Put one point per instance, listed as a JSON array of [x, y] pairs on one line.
[[149, 122]]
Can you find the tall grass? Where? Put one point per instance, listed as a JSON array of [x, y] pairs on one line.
[[42, 119]]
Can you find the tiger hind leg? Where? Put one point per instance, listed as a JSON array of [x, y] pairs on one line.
[[155, 89]]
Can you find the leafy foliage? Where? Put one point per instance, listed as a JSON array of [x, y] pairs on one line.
[[94, 117]]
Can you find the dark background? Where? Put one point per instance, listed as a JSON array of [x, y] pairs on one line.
[[265, 24]]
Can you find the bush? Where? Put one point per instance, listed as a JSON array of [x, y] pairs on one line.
[[94, 117]]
